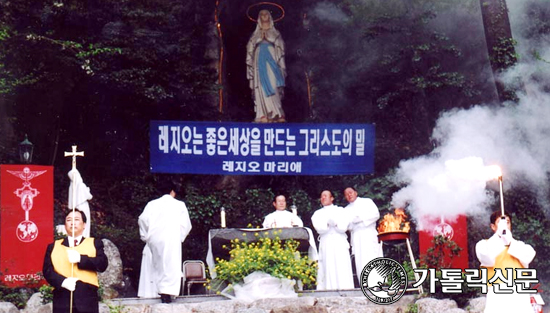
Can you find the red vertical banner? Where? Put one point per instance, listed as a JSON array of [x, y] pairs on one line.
[[456, 230], [26, 222]]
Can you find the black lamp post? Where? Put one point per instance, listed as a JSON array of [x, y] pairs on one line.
[[25, 151]]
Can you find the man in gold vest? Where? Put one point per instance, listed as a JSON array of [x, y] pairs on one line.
[[71, 265], [503, 251]]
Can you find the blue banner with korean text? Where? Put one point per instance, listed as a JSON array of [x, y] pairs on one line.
[[228, 148]]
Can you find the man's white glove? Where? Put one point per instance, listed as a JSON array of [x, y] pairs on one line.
[[69, 283], [507, 237], [502, 226], [74, 256]]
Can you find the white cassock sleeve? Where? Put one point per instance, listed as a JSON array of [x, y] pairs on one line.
[[281, 219], [297, 221], [268, 221], [330, 217], [143, 222], [365, 211], [185, 223], [342, 220], [522, 251], [320, 221], [487, 250]]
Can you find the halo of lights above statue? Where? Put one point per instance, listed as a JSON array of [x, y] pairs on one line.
[[25, 151], [276, 10]]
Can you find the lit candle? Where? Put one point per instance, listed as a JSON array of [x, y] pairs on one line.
[[294, 210], [223, 216]]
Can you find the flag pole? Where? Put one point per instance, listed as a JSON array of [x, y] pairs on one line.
[[501, 201], [501, 195], [73, 154]]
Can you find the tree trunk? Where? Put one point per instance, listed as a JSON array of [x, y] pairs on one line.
[[500, 44]]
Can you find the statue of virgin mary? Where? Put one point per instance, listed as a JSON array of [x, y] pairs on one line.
[[266, 70]]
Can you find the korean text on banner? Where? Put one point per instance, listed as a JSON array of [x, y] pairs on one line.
[[261, 149]]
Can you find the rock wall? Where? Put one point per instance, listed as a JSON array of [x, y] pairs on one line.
[[111, 279], [293, 305]]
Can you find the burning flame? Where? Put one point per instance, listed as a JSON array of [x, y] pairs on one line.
[[492, 172], [394, 222]]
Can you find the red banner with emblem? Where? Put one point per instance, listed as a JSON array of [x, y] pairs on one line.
[[26, 215], [455, 230]]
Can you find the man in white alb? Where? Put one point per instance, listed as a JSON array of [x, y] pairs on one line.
[[331, 222], [363, 214], [163, 226], [281, 217]]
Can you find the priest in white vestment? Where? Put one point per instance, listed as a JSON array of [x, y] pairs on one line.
[[281, 217], [331, 222], [363, 214], [163, 226], [79, 194]]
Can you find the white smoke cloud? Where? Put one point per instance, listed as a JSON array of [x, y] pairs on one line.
[[443, 188], [326, 11], [515, 136]]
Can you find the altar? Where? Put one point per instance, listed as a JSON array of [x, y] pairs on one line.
[[217, 238]]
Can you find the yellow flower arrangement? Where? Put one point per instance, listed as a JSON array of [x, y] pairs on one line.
[[271, 256]]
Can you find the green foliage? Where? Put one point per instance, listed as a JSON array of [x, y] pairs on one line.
[[379, 189], [271, 256], [412, 308], [108, 64], [254, 199], [16, 295], [441, 253], [504, 53], [126, 238], [537, 56], [409, 270], [440, 256], [391, 63], [300, 199], [118, 308], [46, 293]]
